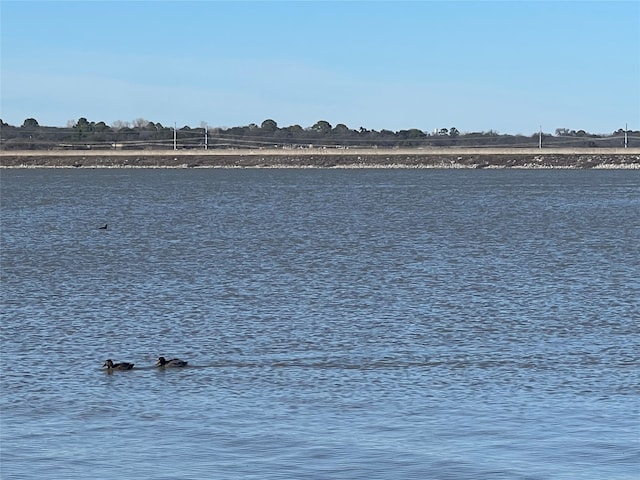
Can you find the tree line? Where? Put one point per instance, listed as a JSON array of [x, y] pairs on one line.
[[144, 134]]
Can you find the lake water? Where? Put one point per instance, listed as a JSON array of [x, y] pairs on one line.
[[339, 324]]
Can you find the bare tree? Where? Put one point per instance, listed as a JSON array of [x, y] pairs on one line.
[[119, 125], [140, 123]]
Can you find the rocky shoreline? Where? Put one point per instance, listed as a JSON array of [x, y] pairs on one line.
[[321, 159]]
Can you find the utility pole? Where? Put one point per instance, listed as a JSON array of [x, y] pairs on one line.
[[175, 137], [626, 136], [206, 131], [540, 137]]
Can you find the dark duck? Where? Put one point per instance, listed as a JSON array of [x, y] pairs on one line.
[[109, 365], [174, 362]]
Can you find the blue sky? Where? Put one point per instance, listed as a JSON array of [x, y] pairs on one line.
[[508, 66]]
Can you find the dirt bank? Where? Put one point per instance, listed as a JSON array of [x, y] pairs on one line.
[[443, 158]]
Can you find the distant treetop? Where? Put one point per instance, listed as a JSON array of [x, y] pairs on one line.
[[144, 134]]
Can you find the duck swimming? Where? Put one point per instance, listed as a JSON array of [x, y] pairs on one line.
[[117, 366], [174, 362]]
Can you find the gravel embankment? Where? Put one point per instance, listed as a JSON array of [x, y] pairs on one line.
[[335, 158]]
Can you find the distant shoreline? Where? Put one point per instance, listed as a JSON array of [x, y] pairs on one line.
[[451, 157]]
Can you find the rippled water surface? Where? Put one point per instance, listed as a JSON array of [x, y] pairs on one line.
[[339, 324]]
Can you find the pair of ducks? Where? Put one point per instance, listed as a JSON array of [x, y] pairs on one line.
[[162, 362]]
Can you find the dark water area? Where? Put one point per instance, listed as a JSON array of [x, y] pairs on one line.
[[339, 324]]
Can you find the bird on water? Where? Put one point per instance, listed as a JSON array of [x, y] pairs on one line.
[[103, 227], [109, 365], [174, 362]]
